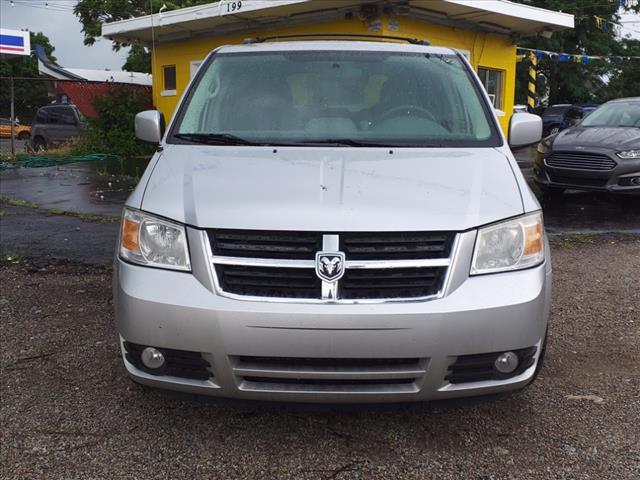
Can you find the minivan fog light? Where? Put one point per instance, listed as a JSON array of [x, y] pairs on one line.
[[506, 362], [152, 358]]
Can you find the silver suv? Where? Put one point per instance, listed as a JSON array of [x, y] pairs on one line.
[[333, 221]]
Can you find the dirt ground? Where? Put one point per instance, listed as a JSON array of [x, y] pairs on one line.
[[69, 412]]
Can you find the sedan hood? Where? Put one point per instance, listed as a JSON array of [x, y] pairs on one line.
[[616, 138], [332, 189]]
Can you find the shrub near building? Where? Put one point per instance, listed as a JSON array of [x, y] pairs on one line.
[[112, 130]]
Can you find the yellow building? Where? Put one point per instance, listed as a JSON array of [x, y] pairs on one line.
[[485, 31]]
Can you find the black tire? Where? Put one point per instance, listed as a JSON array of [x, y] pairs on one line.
[[39, 144], [24, 136]]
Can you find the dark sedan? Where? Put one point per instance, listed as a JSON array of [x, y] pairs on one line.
[[601, 153], [560, 117]]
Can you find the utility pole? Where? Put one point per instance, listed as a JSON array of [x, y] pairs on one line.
[[12, 119]]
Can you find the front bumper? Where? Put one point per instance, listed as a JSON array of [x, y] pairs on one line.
[[618, 180], [491, 313]]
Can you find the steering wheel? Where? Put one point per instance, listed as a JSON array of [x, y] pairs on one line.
[[404, 108]]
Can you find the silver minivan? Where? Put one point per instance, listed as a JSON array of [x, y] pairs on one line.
[[333, 221]]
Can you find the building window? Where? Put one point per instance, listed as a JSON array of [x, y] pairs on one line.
[[169, 80], [492, 81]]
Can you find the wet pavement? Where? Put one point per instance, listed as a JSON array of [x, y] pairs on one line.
[[100, 188]]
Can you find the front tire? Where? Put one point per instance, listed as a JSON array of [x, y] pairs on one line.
[[39, 144]]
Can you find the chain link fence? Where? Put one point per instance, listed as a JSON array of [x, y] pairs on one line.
[[42, 117]]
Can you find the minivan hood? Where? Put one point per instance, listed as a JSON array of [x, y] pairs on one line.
[[332, 189]]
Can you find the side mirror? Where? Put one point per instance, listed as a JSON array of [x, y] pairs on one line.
[[524, 129], [150, 126]]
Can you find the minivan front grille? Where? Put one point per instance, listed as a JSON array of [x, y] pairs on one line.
[[391, 245], [268, 281], [371, 267], [581, 161], [265, 244], [338, 375], [391, 282]]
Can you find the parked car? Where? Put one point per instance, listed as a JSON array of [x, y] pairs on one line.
[[55, 124], [297, 239], [601, 153], [559, 117], [21, 132]]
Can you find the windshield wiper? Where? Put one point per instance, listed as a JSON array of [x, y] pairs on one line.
[[350, 142], [215, 139], [346, 142]]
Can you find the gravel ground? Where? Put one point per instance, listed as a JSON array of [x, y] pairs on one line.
[[68, 410]]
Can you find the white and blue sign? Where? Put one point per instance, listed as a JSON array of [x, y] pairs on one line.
[[14, 42]]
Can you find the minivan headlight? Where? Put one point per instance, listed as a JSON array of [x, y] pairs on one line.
[[154, 242], [510, 245]]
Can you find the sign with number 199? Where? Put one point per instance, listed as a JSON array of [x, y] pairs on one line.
[[230, 6]]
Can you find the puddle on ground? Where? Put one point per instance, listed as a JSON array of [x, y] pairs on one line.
[[98, 188]]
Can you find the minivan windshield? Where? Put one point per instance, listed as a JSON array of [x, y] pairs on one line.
[[346, 98], [616, 114]]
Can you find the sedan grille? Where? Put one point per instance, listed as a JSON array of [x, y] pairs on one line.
[[581, 161]]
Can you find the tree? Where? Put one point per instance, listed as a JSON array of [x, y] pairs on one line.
[[571, 82], [93, 13], [625, 79], [138, 60], [30, 90]]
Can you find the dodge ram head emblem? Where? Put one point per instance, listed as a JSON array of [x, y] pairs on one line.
[[330, 266]]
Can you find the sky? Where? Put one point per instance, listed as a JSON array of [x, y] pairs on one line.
[[65, 32]]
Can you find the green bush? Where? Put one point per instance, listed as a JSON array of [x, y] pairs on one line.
[[112, 130]]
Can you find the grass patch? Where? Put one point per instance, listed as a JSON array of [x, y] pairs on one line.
[[16, 202], [85, 217], [578, 240], [13, 257]]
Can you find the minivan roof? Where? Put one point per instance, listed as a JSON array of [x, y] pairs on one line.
[[329, 45]]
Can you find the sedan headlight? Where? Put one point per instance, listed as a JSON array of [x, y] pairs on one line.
[[510, 245], [154, 242], [629, 154]]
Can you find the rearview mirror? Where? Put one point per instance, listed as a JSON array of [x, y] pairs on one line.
[[524, 129], [150, 126]]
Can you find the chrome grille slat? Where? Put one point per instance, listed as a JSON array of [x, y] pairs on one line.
[[407, 266], [348, 375]]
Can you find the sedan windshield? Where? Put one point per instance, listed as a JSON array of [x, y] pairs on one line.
[[616, 114], [342, 98]]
